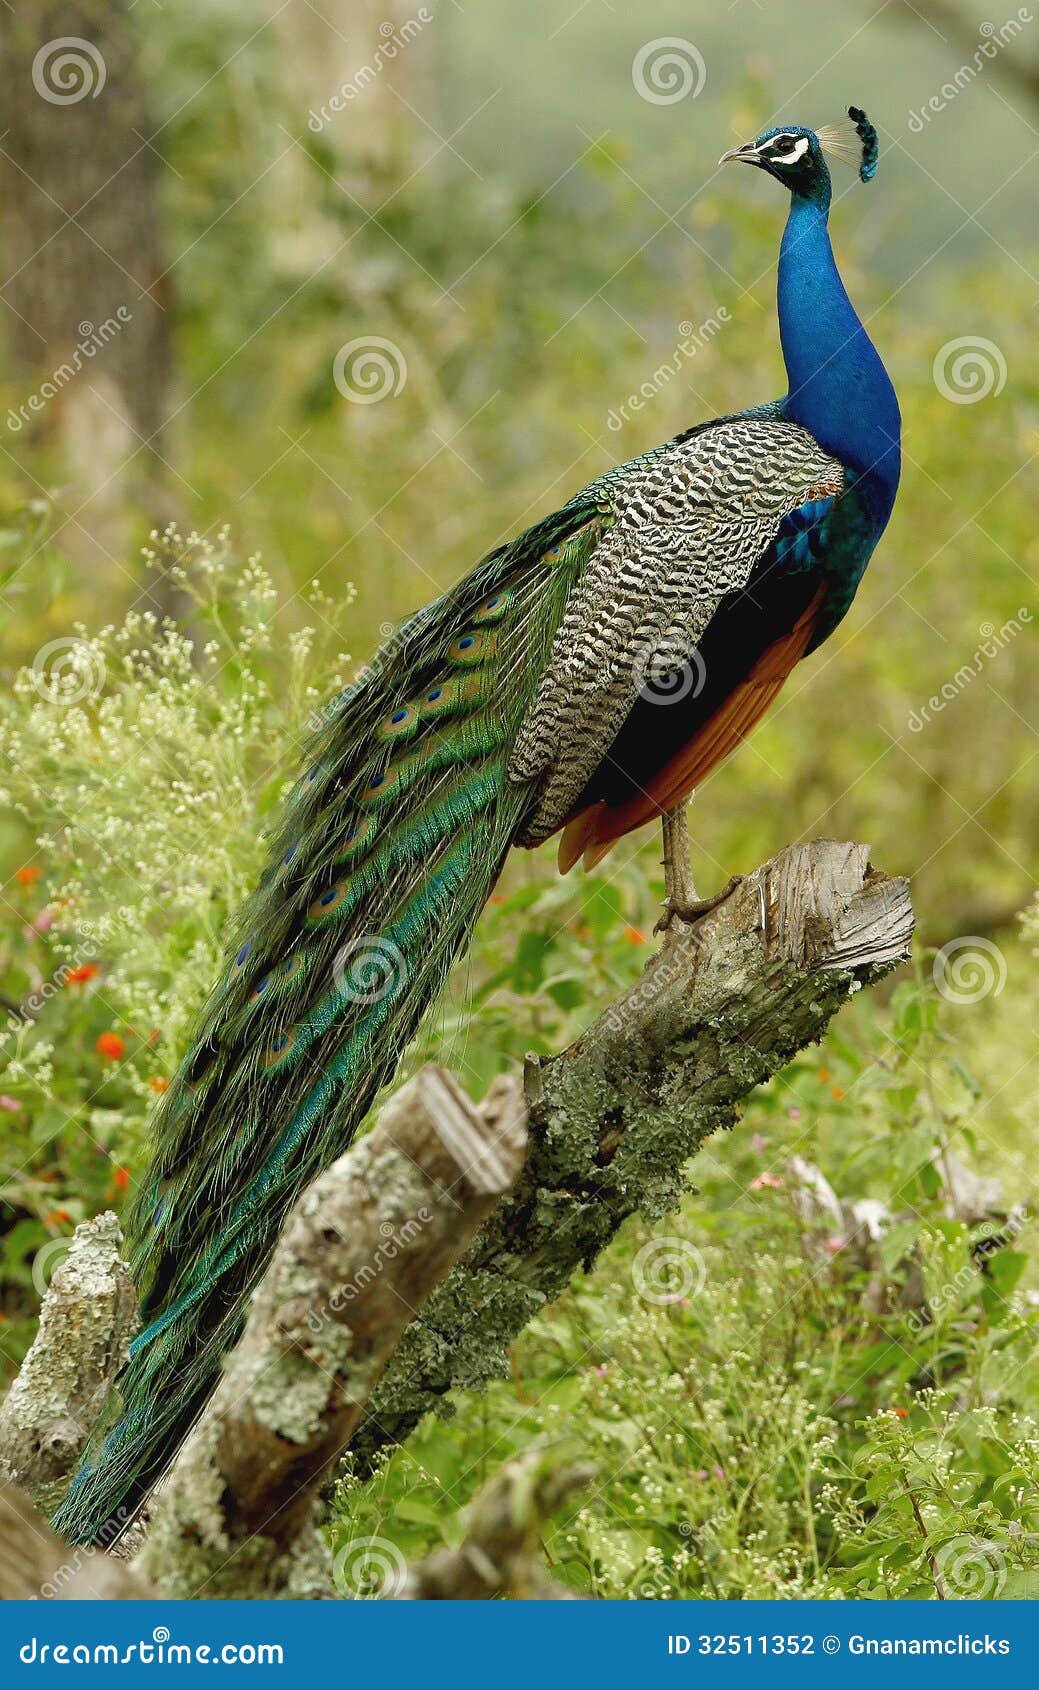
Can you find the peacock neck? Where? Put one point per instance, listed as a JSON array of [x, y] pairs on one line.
[[839, 389]]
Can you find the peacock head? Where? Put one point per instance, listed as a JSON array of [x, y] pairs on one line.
[[795, 156]]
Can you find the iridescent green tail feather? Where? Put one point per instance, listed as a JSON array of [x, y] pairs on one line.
[[384, 857]]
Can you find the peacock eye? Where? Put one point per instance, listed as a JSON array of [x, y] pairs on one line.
[[784, 144]]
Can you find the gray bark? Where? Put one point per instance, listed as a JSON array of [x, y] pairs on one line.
[[89, 1316], [360, 1254], [614, 1119], [35, 1565]]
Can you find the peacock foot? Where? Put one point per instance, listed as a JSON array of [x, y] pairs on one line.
[[691, 910]]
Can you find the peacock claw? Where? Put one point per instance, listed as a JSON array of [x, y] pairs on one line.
[[692, 910]]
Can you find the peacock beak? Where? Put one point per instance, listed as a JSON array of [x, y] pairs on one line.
[[748, 154]]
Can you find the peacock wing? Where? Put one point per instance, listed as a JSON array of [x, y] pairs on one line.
[[690, 526]]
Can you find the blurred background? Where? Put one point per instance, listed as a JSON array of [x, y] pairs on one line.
[[230, 198], [304, 307]]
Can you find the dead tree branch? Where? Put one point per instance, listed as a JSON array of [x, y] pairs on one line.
[[89, 1316], [408, 1268], [359, 1256], [35, 1563], [614, 1119]]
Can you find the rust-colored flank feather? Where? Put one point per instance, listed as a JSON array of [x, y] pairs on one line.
[[593, 832]]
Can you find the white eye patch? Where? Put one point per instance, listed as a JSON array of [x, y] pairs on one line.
[[796, 153]]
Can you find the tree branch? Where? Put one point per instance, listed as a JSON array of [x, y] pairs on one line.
[[614, 1119], [362, 1250], [35, 1564], [89, 1316]]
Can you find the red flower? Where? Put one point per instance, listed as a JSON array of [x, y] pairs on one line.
[[902, 1413], [121, 1178], [83, 972], [158, 1082], [26, 875], [634, 937], [58, 1217], [112, 1045]]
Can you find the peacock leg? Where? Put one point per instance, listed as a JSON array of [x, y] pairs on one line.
[[680, 900]]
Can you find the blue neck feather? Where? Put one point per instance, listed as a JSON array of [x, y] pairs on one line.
[[839, 389]]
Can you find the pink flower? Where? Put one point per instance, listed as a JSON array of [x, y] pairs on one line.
[[719, 1472], [40, 923], [9, 1104], [602, 1370], [765, 1182], [834, 1245], [759, 1144], [794, 1114]]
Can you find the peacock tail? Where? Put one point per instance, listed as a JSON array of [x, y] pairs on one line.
[[385, 855]]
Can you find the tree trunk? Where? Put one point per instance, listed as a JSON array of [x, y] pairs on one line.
[[87, 324]]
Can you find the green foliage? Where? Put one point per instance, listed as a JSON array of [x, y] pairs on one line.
[[778, 1405], [144, 763]]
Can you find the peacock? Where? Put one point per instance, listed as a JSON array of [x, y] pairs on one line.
[[523, 703]]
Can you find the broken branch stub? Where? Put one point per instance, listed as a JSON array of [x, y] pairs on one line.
[[363, 1249]]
